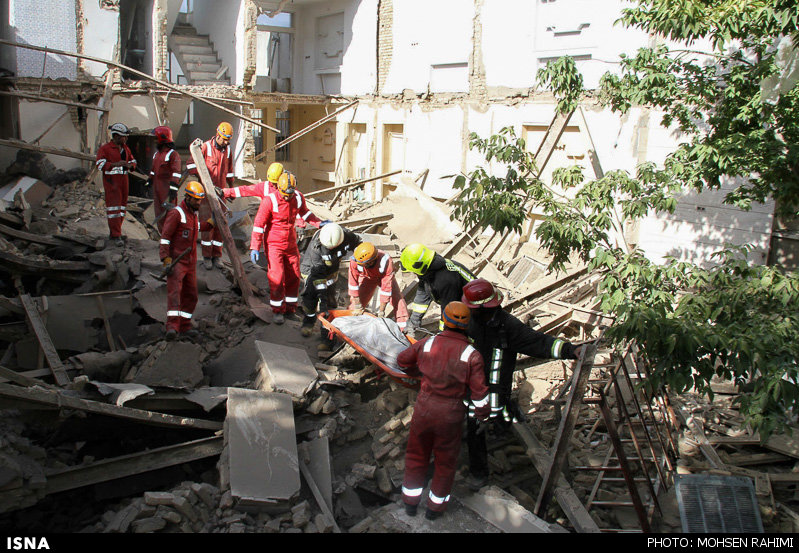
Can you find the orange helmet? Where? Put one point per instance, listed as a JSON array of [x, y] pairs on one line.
[[274, 172], [163, 135], [195, 190], [365, 253], [456, 315], [224, 130], [481, 293], [286, 184]]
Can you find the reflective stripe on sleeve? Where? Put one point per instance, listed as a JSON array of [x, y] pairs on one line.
[[165, 241], [259, 230], [466, 353], [481, 402], [418, 307], [557, 346], [428, 344]]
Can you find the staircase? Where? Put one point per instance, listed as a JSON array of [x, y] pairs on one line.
[[196, 55]]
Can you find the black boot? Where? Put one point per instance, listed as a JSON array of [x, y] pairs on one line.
[[410, 510], [432, 515]]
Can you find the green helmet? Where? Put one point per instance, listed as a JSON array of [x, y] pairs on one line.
[[417, 258]]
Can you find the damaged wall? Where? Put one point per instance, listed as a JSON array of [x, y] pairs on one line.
[[100, 34], [50, 23], [224, 22]]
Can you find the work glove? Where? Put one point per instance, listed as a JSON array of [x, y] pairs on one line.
[[356, 307], [254, 256], [211, 222], [167, 261], [381, 311]]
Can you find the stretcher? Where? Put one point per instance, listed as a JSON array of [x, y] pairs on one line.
[[395, 374]]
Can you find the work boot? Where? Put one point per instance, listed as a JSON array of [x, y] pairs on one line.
[[293, 316], [306, 331], [278, 319], [410, 510], [208, 263], [217, 262], [192, 334], [475, 483], [432, 515], [171, 334], [324, 347]]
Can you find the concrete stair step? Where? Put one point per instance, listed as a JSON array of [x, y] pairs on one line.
[[203, 67], [179, 29], [200, 58], [191, 40], [207, 82], [202, 75], [188, 49]]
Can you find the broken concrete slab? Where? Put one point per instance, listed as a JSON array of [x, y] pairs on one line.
[[170, 365], [503, 511], [208, 397], [121, 393], [285, 369], [212, 281], [104, 367], [263, 461], [234, 365], [316, 455], [34, 191]]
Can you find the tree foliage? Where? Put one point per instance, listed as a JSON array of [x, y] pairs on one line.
[[735, 320]]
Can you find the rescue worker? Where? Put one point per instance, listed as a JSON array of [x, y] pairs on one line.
[[259, 189], [451, 370], [114, 160], [165, 173], [181, 226], [319, 268], [219, 161], [273, 229], [440, 280], [370, 268], [500, 337]]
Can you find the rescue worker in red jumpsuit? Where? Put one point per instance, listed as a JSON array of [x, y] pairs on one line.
[[370, 268], [277, 214], [165, 174], [219, 161], [181, 227], [451, 370], [500, 338], [114, 160]]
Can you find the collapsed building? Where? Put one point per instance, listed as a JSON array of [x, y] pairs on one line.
[[370, 103]]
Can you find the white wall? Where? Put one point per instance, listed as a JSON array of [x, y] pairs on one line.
[[35, 117], [223, 22], [101, 29], [357, 72]]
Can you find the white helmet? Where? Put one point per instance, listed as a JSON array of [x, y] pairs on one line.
[[119, 128], [331, 236]]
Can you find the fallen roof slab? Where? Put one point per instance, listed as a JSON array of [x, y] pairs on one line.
[[285, 369]]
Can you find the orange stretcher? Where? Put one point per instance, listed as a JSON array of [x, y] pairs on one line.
[[394, 374]]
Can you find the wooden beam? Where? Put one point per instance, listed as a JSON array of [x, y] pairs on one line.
[[36, 373], [574, 509], [21, 379], [579, 382], [50, 100], [304, 131], [350, 184], [144, 76], [367, 220], [58, 399], [258, 308], [320, 500], [136, 463], [544, 287], [38, 328], [29, 237], [13, 143], [50, 127]]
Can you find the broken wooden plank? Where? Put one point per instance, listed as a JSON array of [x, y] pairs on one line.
[[504, 511], [258, 308], [545, 286], [782, 443], [56, 398], [323, 498], [38, 328], [575, 511], [752, 459], [37, 373], [579, 382], [351, 184], [136, 463], [51, 100], [14, 143], [304, 131], [20, 378], [29, 237], [349, 223], [141, 75]]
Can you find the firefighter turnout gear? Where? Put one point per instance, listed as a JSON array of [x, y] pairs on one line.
[[274, 172], [450, 370], [442, 282], [371, 268], [273, 229], [114, 160], [181, 226], [165, 173], [500, 337], [319, 269], [219, 161]]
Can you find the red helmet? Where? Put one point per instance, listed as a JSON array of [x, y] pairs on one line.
[[163, 135], [481, 293]]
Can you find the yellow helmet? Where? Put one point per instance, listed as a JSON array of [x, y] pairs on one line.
[[286, 184], [225, 130], [274, 172], [365, 253], [195, 190], [417, 258]]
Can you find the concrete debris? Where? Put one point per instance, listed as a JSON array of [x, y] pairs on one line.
[[170, 365]]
